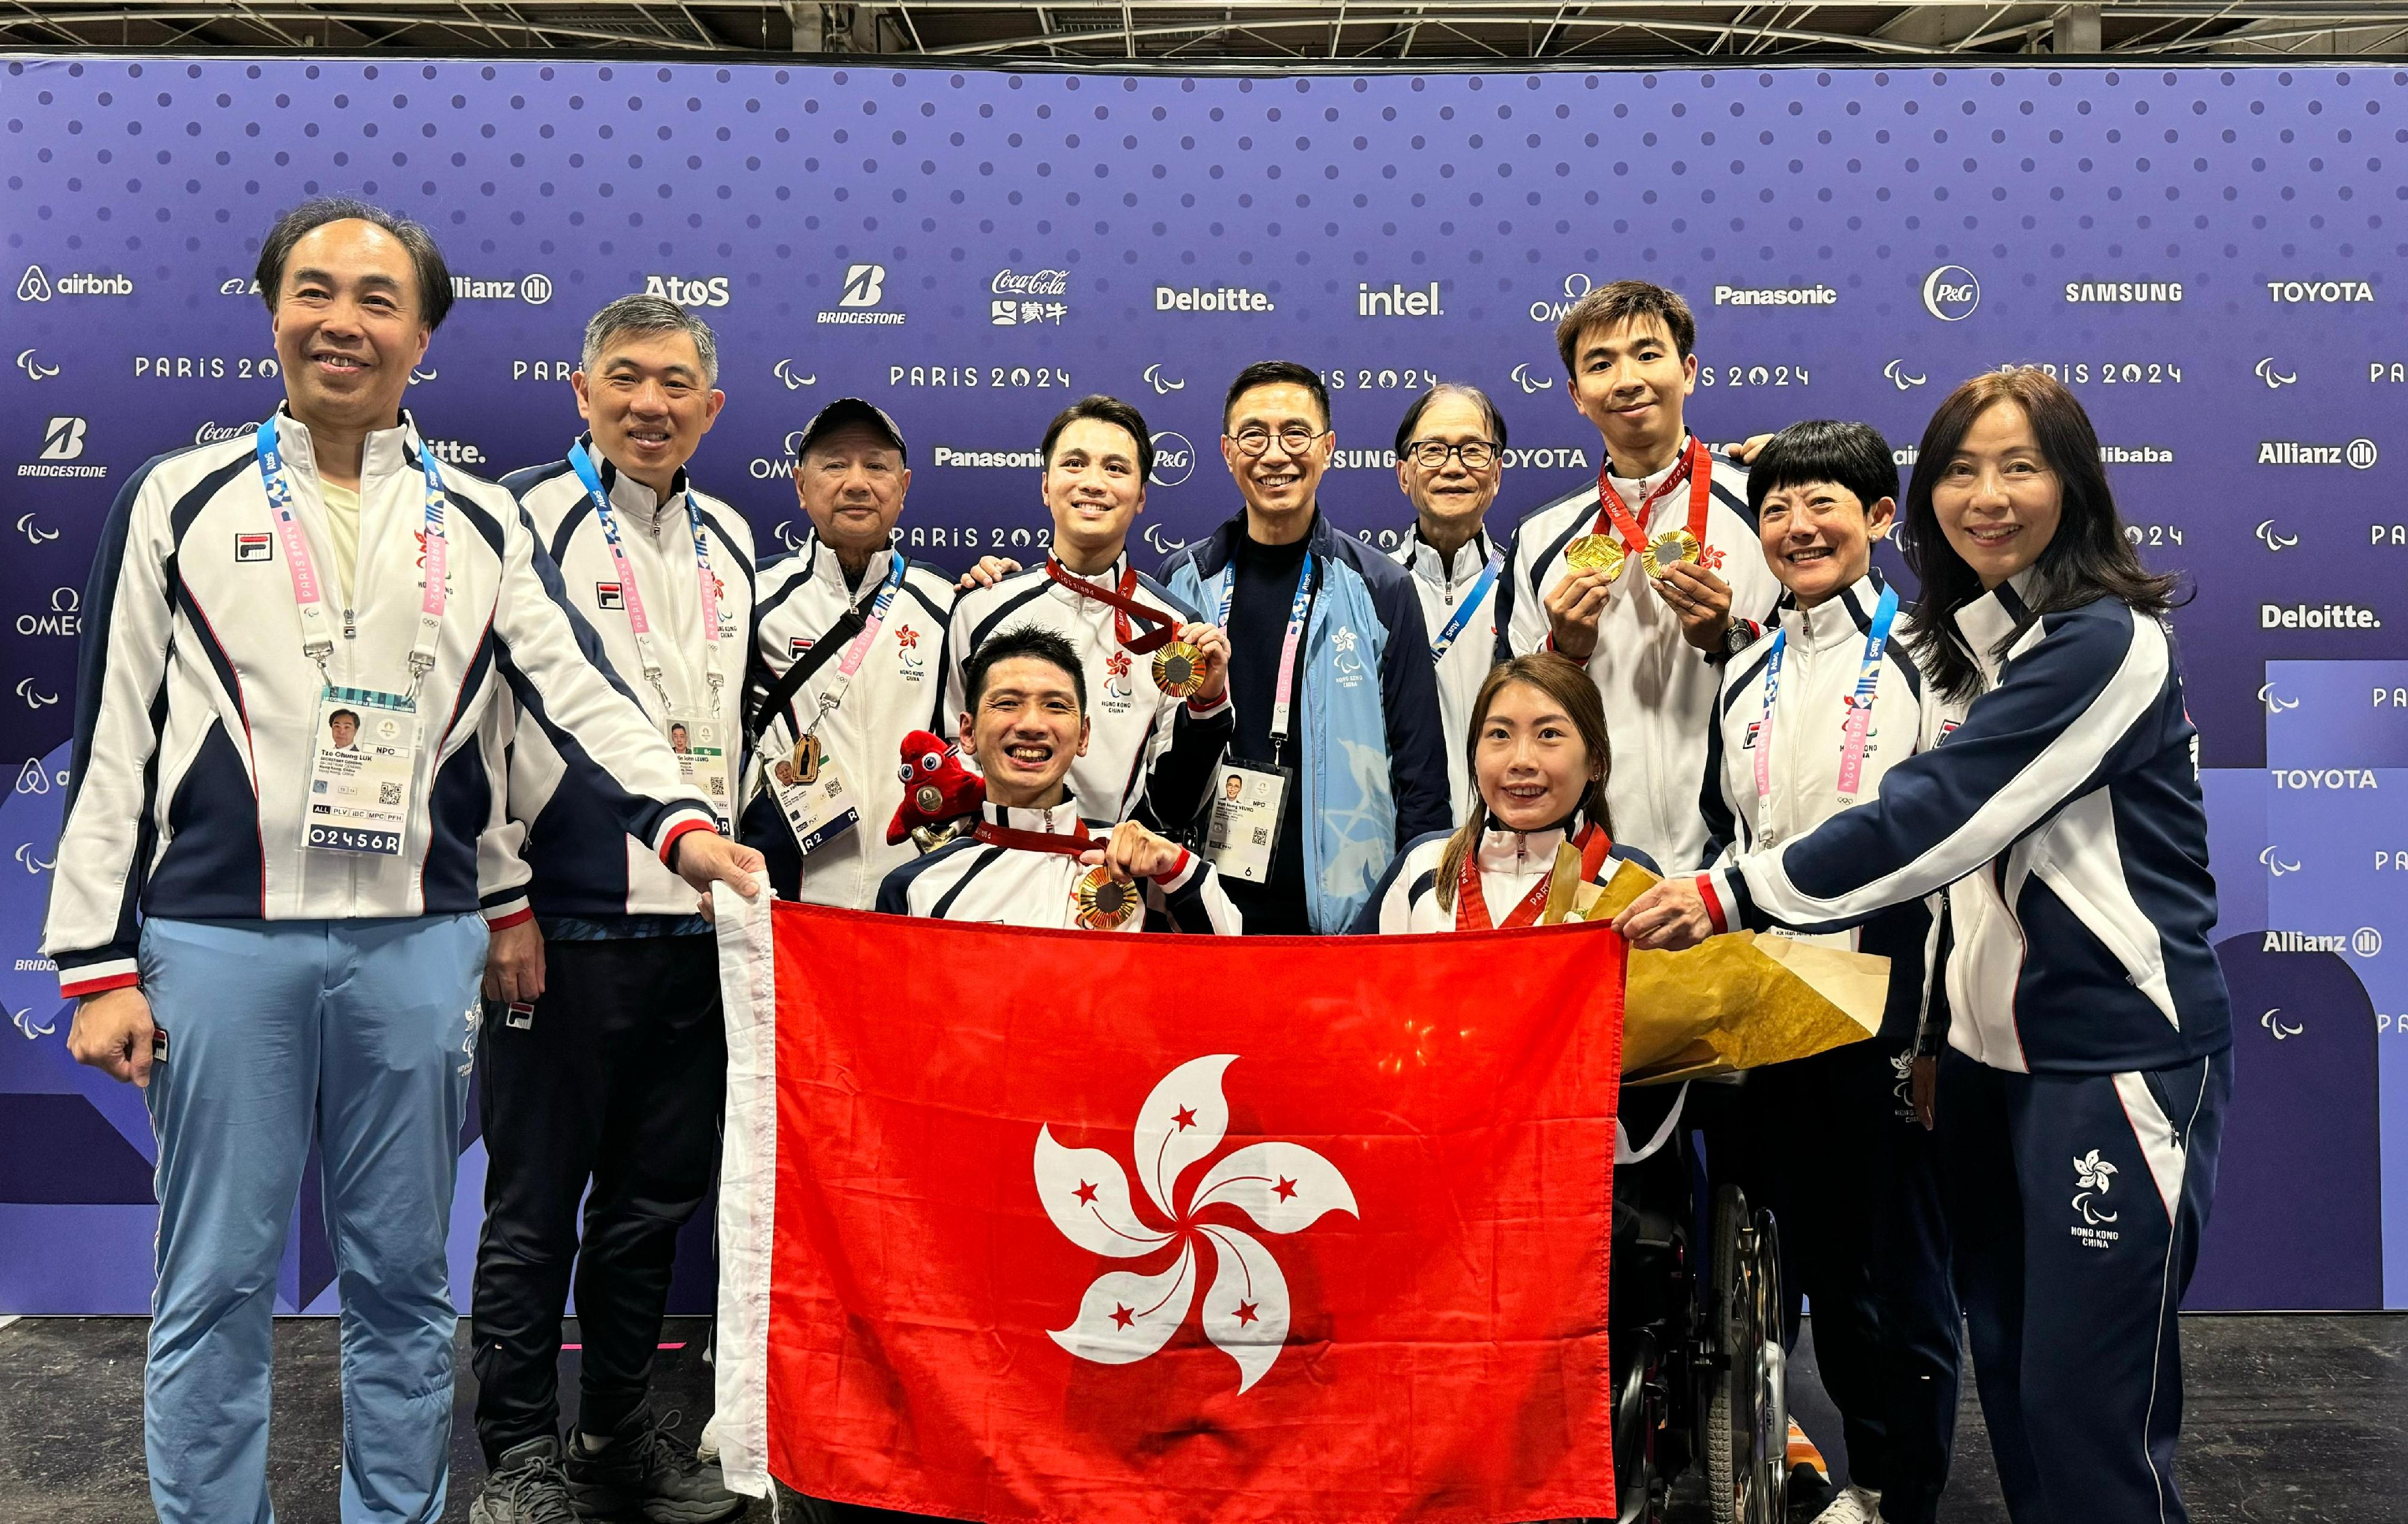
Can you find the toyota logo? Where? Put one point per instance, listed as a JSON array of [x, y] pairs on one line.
[[1951, 292], [1174, 459]]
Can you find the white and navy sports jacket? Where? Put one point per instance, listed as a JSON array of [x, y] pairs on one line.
[[899, 689], [1658, 689], [1823, 655], [1468, 662], [553, 854], [2063, 814], [1512, 864], [1150, 754], [195, 704], [971, 880]]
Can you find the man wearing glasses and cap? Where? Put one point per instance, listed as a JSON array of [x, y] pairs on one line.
[[849, 657], [1450, 462]]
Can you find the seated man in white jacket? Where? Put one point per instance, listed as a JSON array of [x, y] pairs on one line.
[[275, 927], [1031, 860]]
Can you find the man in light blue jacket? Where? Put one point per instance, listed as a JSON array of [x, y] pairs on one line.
[[1339, 756]]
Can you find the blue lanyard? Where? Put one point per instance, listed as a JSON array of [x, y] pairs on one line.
[[1469, 605], [1860, 709], [309, 593], [1297, 613]]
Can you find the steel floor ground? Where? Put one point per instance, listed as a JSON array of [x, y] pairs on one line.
[[2295, 1418]]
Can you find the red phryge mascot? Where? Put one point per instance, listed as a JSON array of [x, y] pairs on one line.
[[940, 794]]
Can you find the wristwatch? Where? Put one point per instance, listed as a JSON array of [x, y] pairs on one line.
[[1741, 634]]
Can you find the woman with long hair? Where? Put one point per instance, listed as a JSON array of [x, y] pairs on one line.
[[1538, 761], [2080, 1106]]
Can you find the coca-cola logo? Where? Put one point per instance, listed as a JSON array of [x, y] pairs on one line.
[[1034, 283], [212, 432]]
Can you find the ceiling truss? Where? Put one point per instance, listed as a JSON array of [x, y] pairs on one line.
[[1237, 32]]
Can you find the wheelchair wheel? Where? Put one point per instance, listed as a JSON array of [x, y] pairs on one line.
[[1639, 1486], [1748, 1403]]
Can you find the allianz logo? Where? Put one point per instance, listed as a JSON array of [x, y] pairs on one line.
[[2323, 778], [2366, 942], [2358, 454], [1558, 458], [2292, 292], [535, 290]]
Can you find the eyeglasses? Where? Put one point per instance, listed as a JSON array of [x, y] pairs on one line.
[[1293, 438], [1431, 455]]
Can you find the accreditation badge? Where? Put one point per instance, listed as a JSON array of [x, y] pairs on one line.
[[362, 772], [705, 763], [813, 796], [1249, 802]]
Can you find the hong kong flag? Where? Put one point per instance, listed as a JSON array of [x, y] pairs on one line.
[[1051, 1226]]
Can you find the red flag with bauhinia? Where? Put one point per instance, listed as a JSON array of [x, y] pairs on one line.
[[1023, 1224]]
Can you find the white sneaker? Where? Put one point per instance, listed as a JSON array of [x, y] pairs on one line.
[[1853, 1505]]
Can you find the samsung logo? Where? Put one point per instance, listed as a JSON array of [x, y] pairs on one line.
[[2123, 291]]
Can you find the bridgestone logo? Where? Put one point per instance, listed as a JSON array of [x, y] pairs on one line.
[[37, 468], [876, 318], [1775, 296], [2123, 291], [1005, 459]]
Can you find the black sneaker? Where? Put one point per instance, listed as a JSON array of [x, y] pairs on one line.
[[529, 1487], [647, 1469]]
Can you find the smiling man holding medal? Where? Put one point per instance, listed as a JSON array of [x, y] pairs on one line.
[[605, 1054], [301, 918], [1649, 577], [1157, 675], [1031, 859]]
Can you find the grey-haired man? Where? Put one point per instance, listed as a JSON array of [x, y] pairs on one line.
[[605, 1060]]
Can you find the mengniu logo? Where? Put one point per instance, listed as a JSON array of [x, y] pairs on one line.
[[1951, 292], [1282, 1187], [1174, 459]]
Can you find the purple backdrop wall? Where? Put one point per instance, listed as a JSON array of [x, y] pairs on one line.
[[2210, 256]]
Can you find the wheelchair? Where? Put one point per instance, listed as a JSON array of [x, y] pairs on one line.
[[1700, 1377]]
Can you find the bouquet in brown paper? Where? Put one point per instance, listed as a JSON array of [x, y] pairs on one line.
[[1734, 1001]]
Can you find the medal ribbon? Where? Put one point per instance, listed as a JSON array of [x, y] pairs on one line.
[[1471, 903], [1698, 465], [1069, 844], [632, 598], [1125, 607], [1470, 605], [309, 591], [1855, 731]]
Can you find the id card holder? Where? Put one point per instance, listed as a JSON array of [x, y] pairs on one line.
[[362, 768], [705, 760], [1249, 803], [813, 796]]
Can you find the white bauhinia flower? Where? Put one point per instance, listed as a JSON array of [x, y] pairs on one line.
[[1125, 1315]]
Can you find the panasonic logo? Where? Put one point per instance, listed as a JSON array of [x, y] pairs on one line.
[[2289, 291], [2123, 291], [2323, 778], [1019, 459], [2359, 454], [1775, 296], [2317, 616], [1211, 299]]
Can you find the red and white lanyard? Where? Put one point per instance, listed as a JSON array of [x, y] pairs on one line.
[[1123, 605], [1471, 903], [309, 590], [1697, 467], [632, 598]]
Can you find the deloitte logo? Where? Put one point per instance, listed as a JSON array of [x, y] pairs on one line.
[[1951, 292], [1174, 459], [34, 286]]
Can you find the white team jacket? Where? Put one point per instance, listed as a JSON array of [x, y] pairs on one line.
[[898, 690], [1467, 663], [554, 855], [970, 880], [1512, 864], [1658, 689], [195, 704], [1150, 754]]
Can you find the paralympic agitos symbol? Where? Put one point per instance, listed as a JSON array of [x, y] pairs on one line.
[[1126, 1316]]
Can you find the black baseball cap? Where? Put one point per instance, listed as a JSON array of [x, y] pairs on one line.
[[853, 410]]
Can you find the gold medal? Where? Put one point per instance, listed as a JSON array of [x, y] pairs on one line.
[[1105, 903], [929, 799], [1598, 553], [1178, 670], [1669, 547], [805, 760]]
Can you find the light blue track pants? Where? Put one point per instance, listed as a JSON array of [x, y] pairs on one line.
[[360, 1033]]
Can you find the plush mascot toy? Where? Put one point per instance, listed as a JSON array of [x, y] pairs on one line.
[[940, 794]]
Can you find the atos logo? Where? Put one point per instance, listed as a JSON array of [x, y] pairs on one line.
[[1174, 459], [1951, 292], [696, 290]]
